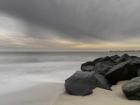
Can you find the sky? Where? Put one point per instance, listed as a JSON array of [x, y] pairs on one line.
[[70, 25]]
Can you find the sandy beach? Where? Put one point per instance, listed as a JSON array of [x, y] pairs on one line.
[[99, 97], [53, 94], [43, 94]]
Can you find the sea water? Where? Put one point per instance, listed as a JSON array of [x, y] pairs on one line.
[[20, 70]]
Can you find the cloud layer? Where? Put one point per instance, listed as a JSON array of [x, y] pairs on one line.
[[78, 23]]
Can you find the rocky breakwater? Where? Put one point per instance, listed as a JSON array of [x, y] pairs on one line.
[[103, 73]]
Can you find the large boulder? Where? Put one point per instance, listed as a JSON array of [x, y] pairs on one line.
[[123, 71], [103, 67], [82, 83], [131, 89], [100, 65]]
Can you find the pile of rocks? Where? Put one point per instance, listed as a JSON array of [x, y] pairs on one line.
[[105, 72]]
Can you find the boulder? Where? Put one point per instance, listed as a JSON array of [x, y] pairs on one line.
[[131, 89], [103, 67], [123, 58], [102, 82], [100, 65], [88, 66], [82, 83], [123, 71]]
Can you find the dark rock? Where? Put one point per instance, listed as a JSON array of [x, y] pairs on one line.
[[88, 66], [100, 65], [115, 57], [82, 83], [131, 89], [123, 58], [123, 71], [97, 60], [138, 72], [103, 67], [102, 82], [134, 57], [107, 58]]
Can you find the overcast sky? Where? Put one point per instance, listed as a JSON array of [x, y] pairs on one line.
[[70, 24]]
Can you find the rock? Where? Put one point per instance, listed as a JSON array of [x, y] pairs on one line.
[[131, 89], [102, 82], [123, 71], [88, 66], [98, 60], [115, 58], [138, 72], [100, 65], [103, 67], [135, 63], [123, 58], [107, 58], [114, 68], [82, 83]]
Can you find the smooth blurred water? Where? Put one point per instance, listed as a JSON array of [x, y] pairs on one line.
[[34, 57], [22, 70]]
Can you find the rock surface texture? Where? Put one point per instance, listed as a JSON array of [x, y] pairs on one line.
[[103, 73], [82, 83], [131, 89]]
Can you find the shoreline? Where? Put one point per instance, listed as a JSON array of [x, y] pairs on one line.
[[98, 97], [54, 94], [43, 94]]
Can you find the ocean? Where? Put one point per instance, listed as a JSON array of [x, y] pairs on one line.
[[20, 70], [38, 57]]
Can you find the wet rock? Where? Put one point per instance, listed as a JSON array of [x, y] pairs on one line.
[[131, 89]]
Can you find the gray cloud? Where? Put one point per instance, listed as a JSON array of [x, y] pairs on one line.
[[79, 19]]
